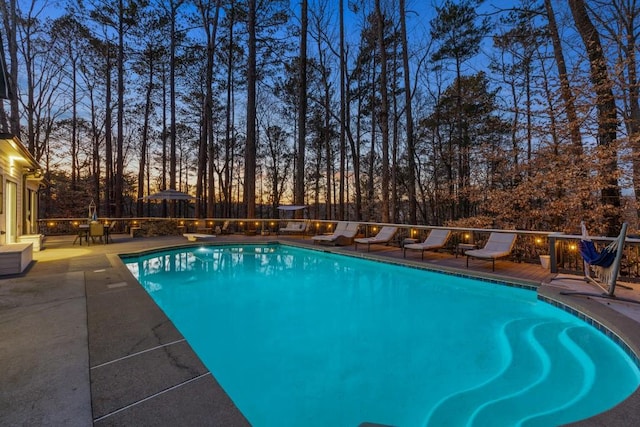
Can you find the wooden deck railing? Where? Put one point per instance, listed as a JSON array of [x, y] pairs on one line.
[[560, 249]]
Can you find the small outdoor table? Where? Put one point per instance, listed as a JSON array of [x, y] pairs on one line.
[[408, 241], [461, 247]]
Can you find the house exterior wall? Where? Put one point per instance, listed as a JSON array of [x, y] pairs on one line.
[[17, 167]]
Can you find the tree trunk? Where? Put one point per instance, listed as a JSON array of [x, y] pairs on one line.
[[119, 179], [607, 116], [145, 134], [411, 172], [565, 88], [211, 137], [250, 150], [302, 109], [207, 136], [10, 21], [343, 100], [172, 108], [108, 134], [384, 113]]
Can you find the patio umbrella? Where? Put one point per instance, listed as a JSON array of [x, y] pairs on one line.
[[5, 88], [169, 195], [291, 208]]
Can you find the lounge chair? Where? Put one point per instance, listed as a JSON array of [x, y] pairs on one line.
[[196, 237], [342, 235], [384, 236], [293, 228], [224, 229], [499, 245], [436, 239]]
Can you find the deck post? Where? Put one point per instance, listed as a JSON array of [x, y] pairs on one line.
[[553, 253]]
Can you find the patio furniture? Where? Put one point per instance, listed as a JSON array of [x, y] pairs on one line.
[[293, 228], [342, 235], [498, 246], [436, 239], [96, 231], [82, 233], [196, 237], [606, 263], [224, 229], [384, 236]]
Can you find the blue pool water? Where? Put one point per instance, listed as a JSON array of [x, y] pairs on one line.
[[301, 337]]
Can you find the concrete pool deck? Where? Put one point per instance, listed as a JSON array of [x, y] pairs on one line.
[[83, 344]]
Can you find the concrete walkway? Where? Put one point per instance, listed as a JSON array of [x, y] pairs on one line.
[[83, 344]]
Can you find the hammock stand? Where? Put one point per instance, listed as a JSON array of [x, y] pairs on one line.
[[606, 265]]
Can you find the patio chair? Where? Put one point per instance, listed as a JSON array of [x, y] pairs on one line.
[[436, 239], [498, 246], [96, 230], [343, 234], [384, 236], [108, 232]]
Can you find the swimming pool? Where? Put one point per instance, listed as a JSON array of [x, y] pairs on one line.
[[303, 337]]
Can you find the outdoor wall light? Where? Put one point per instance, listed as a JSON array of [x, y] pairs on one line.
[[572, 247], [538, 240], [51, 224]]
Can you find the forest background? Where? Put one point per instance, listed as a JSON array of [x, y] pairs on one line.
[[523, 115]]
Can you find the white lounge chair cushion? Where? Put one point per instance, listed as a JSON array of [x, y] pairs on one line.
[[499, 245], [343, 228], [384, 235], [436, 239], [295, 226], [194, 237]]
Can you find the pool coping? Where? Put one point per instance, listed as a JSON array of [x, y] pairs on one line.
[[623, 330]]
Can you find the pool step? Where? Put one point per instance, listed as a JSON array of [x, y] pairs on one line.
[[459, 408], [543, 395], [525, 391], [600, 392]]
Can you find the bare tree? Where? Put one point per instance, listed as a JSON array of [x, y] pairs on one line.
[[411, 160], [250, 146], [606, 111], [298, 195], [565, 88]]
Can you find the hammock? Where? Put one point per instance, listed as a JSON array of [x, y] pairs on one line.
[[601, 259], [606, 263]]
